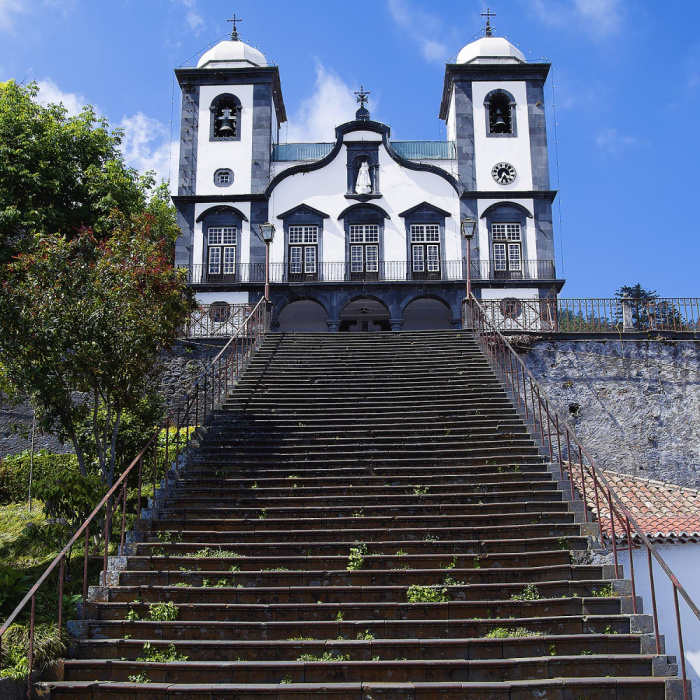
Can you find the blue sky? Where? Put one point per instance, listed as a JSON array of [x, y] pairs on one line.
[[626, 77]]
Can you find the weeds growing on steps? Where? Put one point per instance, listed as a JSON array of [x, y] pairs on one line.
[[505, 633], [427, 594]]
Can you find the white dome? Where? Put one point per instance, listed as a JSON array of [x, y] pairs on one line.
[[490, 49], [232, 54]]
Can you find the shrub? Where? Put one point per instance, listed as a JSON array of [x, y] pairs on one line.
[[49, 646], [14, 472]]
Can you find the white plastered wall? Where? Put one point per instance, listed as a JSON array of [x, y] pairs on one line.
[[400, 187], [228, 297], [490, 150], [236, 155]]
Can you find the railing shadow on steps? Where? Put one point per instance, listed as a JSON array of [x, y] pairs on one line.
[[616, 524], [204, 396]]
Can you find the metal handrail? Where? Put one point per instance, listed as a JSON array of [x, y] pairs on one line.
[[198, 402], [612, 315], [553, 427], [384, 271]]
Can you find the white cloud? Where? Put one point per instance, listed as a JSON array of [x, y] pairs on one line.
[[9, 9], [50, 93], [610, 140], [331, 104], [146, 146], [194, 17], [598, 18], [418, 26]]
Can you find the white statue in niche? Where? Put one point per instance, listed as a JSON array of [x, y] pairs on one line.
[[364, 180]]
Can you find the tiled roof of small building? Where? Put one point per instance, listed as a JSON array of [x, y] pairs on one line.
[[666, 512]]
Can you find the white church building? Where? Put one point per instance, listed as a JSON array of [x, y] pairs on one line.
[[368, 233]]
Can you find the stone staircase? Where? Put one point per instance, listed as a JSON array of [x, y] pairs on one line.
[[347, 476]]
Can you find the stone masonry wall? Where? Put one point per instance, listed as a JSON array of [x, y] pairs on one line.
[[635, 404], [179, 369]]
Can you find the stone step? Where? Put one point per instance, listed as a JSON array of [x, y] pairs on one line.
[[411, 527], [353, 671], [194, 572], [365, 649], [449, 540], [612, 625], [486, 592], [453, 548], [644, 688]]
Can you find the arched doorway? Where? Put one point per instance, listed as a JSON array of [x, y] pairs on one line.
[[303, 316], [363, 315], [426, 314]]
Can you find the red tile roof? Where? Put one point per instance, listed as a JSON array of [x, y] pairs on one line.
[[665, 512]]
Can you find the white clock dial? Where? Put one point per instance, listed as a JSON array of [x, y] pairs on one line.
[[503, 173]]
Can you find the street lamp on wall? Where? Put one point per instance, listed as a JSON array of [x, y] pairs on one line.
[[468, 227], [267, 231]]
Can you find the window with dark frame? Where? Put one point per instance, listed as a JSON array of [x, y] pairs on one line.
[[425, 250], [364, 250], [507, 250], [303, 252], [221, 253]]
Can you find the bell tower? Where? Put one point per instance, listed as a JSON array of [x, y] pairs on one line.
[[493, 104], [232, 108]]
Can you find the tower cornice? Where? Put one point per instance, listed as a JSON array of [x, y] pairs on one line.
[[479, 72]]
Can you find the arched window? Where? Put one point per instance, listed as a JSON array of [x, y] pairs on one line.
[[225, 118], [500, 114]]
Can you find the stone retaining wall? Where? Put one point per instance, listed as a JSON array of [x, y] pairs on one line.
[[635, 404]]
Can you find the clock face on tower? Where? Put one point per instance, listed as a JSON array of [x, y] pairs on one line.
[[503, 173]]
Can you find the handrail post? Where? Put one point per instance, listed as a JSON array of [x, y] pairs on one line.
[[680, 643], [61, 576], [653, 602], [630, 550]]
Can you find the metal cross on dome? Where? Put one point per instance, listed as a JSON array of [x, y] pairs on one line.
[[234, 31], [362, 96], [488, 14]]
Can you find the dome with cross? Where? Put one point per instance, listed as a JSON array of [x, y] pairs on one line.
[[490, 49], [232, 53]]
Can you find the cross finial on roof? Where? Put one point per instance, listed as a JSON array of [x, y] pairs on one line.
[[362, 96], [488, 14], [234, 31]]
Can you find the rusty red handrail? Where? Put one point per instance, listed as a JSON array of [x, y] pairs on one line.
[[552, 426], [208, 390]]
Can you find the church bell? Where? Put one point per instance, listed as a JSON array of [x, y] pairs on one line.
[[227, 123], [500, 124]]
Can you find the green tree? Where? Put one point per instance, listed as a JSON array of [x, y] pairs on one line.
[[59, 174], [84, 321], [648, 311]]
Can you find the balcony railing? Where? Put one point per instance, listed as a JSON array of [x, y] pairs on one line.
[[622, 315], [413, 150], [426, 150], [392, 271]]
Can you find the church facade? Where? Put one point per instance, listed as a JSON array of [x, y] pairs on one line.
[[367, 233]]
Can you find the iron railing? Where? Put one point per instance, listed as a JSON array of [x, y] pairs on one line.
[[616, 525], [620, 315], [218, 320], [385, 271], [426, 150], [205, 395], [413, 150], [290, 152]]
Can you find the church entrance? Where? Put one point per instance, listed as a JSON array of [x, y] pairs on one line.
[[365, 315]]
